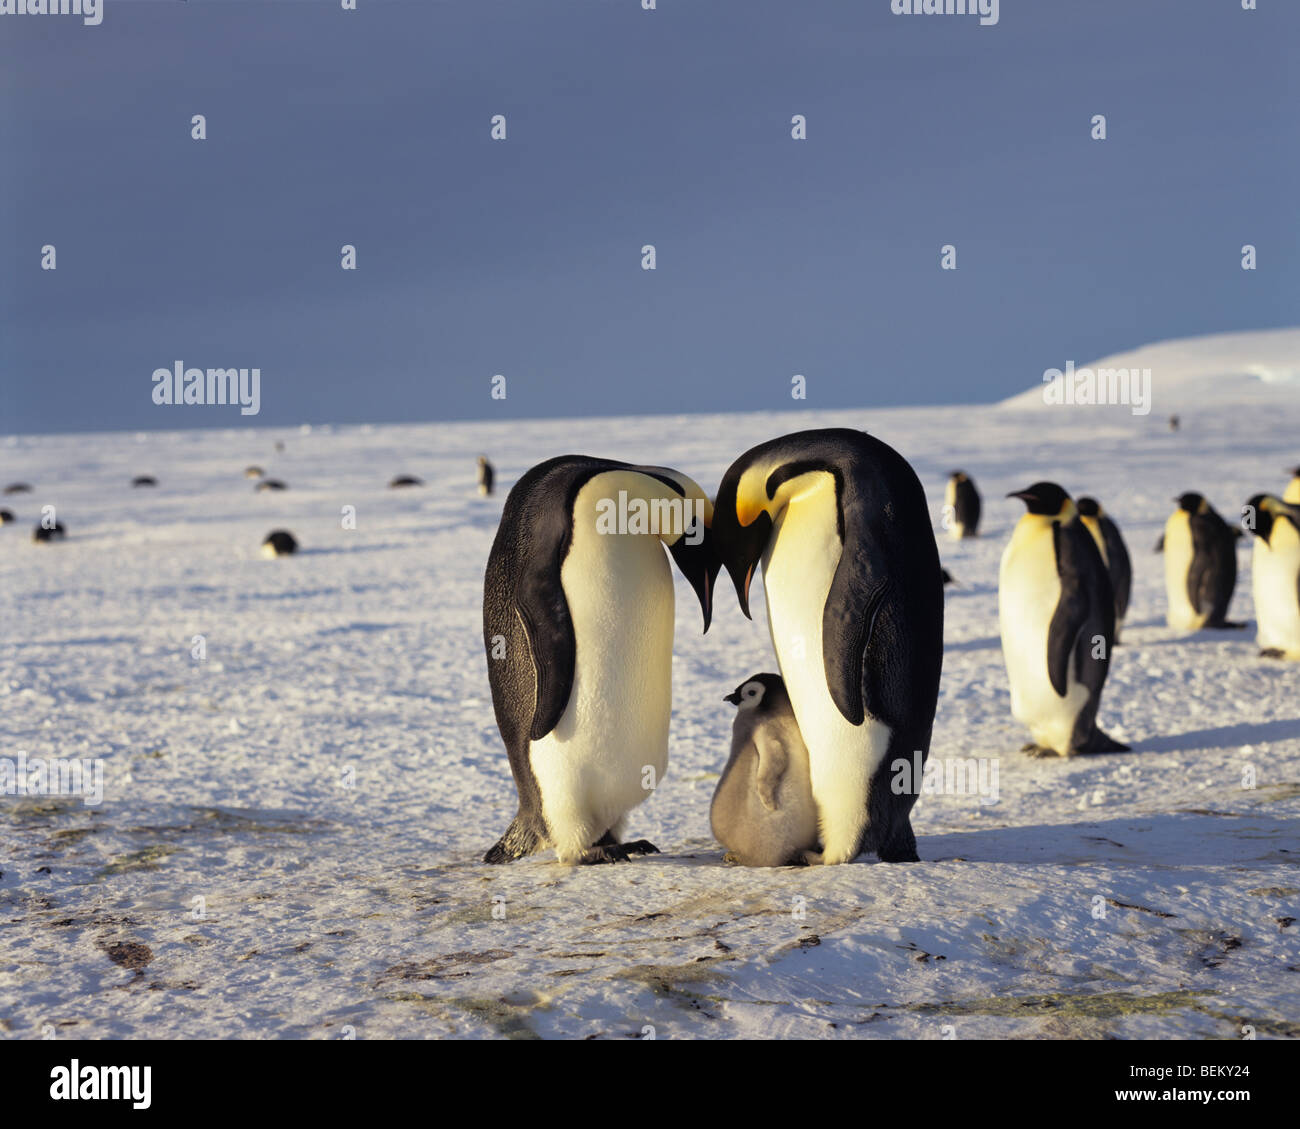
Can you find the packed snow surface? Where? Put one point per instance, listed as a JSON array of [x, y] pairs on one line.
[[296, 804]]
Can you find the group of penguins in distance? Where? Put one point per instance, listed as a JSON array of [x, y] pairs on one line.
[[277, 543], [578, 629]]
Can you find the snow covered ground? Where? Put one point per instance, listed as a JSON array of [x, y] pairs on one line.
[[291, 829]]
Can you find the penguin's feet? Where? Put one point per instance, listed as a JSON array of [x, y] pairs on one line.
[[616, 852], [1035, 750], [1272, 653], [1100, 743], [811, 858], [1225, 625]]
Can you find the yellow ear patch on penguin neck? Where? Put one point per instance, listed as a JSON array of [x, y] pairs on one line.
[[747, 510]]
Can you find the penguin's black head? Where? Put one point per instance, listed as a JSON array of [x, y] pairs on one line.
[[1259, 515], [959, 475], [751, 495], [1045, 499], [1192, 502], [700, 564], [1087, 507], [758, 691], [1294, 472]]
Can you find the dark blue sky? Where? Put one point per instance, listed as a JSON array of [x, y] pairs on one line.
[[628, 127]]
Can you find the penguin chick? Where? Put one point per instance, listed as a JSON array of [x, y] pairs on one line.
[[763, 810]]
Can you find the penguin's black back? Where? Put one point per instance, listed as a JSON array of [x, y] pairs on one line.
[[1212, 575], [966, 505]]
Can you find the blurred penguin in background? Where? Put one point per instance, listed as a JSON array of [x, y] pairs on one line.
[[1275, 576], [1292, 494], [1056, 611], [961, 506], [486, 476], [1113, 551], [1200, 565]]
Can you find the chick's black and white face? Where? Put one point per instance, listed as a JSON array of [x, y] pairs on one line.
[[748, 695]]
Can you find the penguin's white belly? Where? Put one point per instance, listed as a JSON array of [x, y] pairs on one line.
[[955, 529], [1029, 588], [798, 567], [592, 768], [1178, 563], [1273, 584]]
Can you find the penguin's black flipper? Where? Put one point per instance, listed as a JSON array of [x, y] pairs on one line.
[[1085, 612], [1121, 568]]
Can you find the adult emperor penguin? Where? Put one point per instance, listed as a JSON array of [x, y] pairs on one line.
[[855, 606], [1200, 565], [961, 506], [1292, 494], [578, 627], [1113, 551], [763, 810], [1057, 614], [1275, 576]]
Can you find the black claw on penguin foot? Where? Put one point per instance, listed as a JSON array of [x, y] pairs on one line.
[[616, 852], [1037, 751]]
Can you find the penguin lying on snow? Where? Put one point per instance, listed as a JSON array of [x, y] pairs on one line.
[[405, 480], [961, 506], [144, 480], [46, 535], [270, 484], [253, 472], [18, 488], [1200, 565], [279, 543], [1275, 576], [763, 810], [840, 524], [1113, 552], [1057, 616], [578, 629]]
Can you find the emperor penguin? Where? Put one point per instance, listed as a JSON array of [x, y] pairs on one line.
[[839, 522], [47, 534], [763, 810], [578, 627], [961, 506], [279, 543], [1113, 551], [1292, 494], [1057, 615], [1200, 565], [1275, 576], [486, 476]]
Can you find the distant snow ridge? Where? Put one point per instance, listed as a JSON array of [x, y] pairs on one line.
[[1223, 368]]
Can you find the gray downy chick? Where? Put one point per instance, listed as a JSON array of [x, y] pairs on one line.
[[763, 810]]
